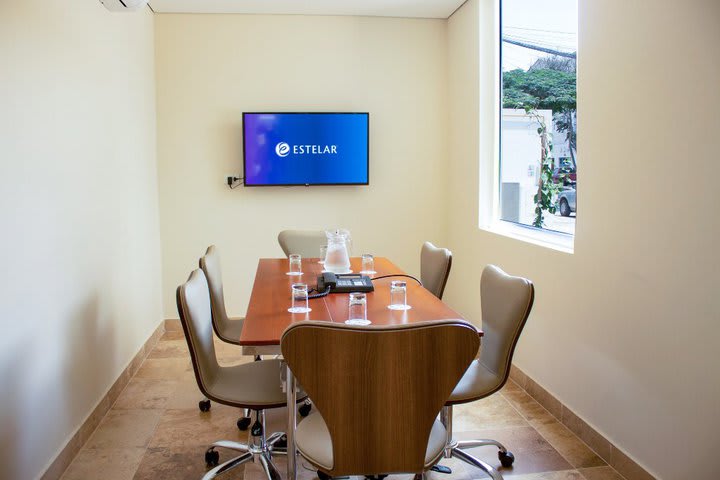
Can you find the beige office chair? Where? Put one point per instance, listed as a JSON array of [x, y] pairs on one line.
[[377, 392], [435, 266], [506, 304], [304, 242], [254, 385], [227, 329]]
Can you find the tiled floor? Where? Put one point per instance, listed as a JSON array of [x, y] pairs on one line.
[[155, 431]]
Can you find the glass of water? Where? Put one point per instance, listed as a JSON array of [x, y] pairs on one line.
[[368, 264], [323, 254], [295, 264], [357, 310], [299, 292], [398, 295]]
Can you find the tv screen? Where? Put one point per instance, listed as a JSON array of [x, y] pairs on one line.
[[305, 149]]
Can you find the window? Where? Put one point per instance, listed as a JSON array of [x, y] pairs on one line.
[[538, 125]]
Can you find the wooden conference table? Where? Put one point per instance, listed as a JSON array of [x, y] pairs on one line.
[[267, 316]]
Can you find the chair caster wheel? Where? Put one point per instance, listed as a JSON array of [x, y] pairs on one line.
[[506, 459], [243, 423], [282, 443], [257, 429], [204, 405], [304, 411], [212, 458], [323, 475]]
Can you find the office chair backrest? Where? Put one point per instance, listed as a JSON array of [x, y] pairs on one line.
[[193, 302], [304, 242], [210, 265], [435, 266], [379, 389], [506, 302]]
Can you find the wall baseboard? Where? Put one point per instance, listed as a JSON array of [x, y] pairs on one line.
[[72, 448], [605, 449]]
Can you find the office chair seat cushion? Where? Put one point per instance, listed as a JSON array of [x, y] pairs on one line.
[[250, 385], [478, 382], [229, 332], [312, 438]]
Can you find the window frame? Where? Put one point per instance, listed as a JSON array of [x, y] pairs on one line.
[[552, 239]]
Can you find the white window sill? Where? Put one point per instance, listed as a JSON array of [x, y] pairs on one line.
[[561, 242]]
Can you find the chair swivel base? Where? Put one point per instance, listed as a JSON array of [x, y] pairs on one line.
[[259, 450], [455, 448]]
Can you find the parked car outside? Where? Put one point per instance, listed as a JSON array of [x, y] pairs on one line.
[[565, 172], [567, 202]]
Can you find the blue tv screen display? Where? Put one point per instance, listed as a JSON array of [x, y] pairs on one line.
[[305, 148]]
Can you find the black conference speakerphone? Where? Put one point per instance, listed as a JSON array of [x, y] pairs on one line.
[[345, 283]]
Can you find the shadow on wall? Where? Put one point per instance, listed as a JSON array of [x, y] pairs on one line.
[[49, 398]]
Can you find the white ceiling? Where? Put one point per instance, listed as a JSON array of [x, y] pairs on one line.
[[376, 8]]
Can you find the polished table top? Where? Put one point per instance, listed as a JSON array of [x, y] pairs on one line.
[[267, 316]]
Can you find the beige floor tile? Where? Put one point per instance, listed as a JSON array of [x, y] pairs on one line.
[[105, 463], [173, 335], [562, 475], [491, 412], [305, 471], [186, 427], [276, 420], [224, 349], [173, 325], [533, 454], [569, 446], [181, 463], [511, 386], [460, 471], [170, 349], [125, 429], [186, 395], [145, 393], [531, 410], [165, 369], [600, 473]]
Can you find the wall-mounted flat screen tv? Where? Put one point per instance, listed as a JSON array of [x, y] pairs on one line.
[[305, 149]]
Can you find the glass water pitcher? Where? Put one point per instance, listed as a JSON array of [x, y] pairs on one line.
[[337, 259]]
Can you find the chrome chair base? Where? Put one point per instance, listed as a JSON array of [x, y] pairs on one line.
[[454, 448], [259, 450]]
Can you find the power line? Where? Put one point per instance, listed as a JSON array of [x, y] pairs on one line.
[[541, 36], [531, 46], [550, 43], [540, 30]]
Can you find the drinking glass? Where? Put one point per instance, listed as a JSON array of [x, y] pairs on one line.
[[323, 254], [398, 295], [299, 292], [368, 264], [357, 310], [295, 264]]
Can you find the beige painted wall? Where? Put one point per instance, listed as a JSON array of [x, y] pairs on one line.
[[626, 330], [211, 68], [79, 241]]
